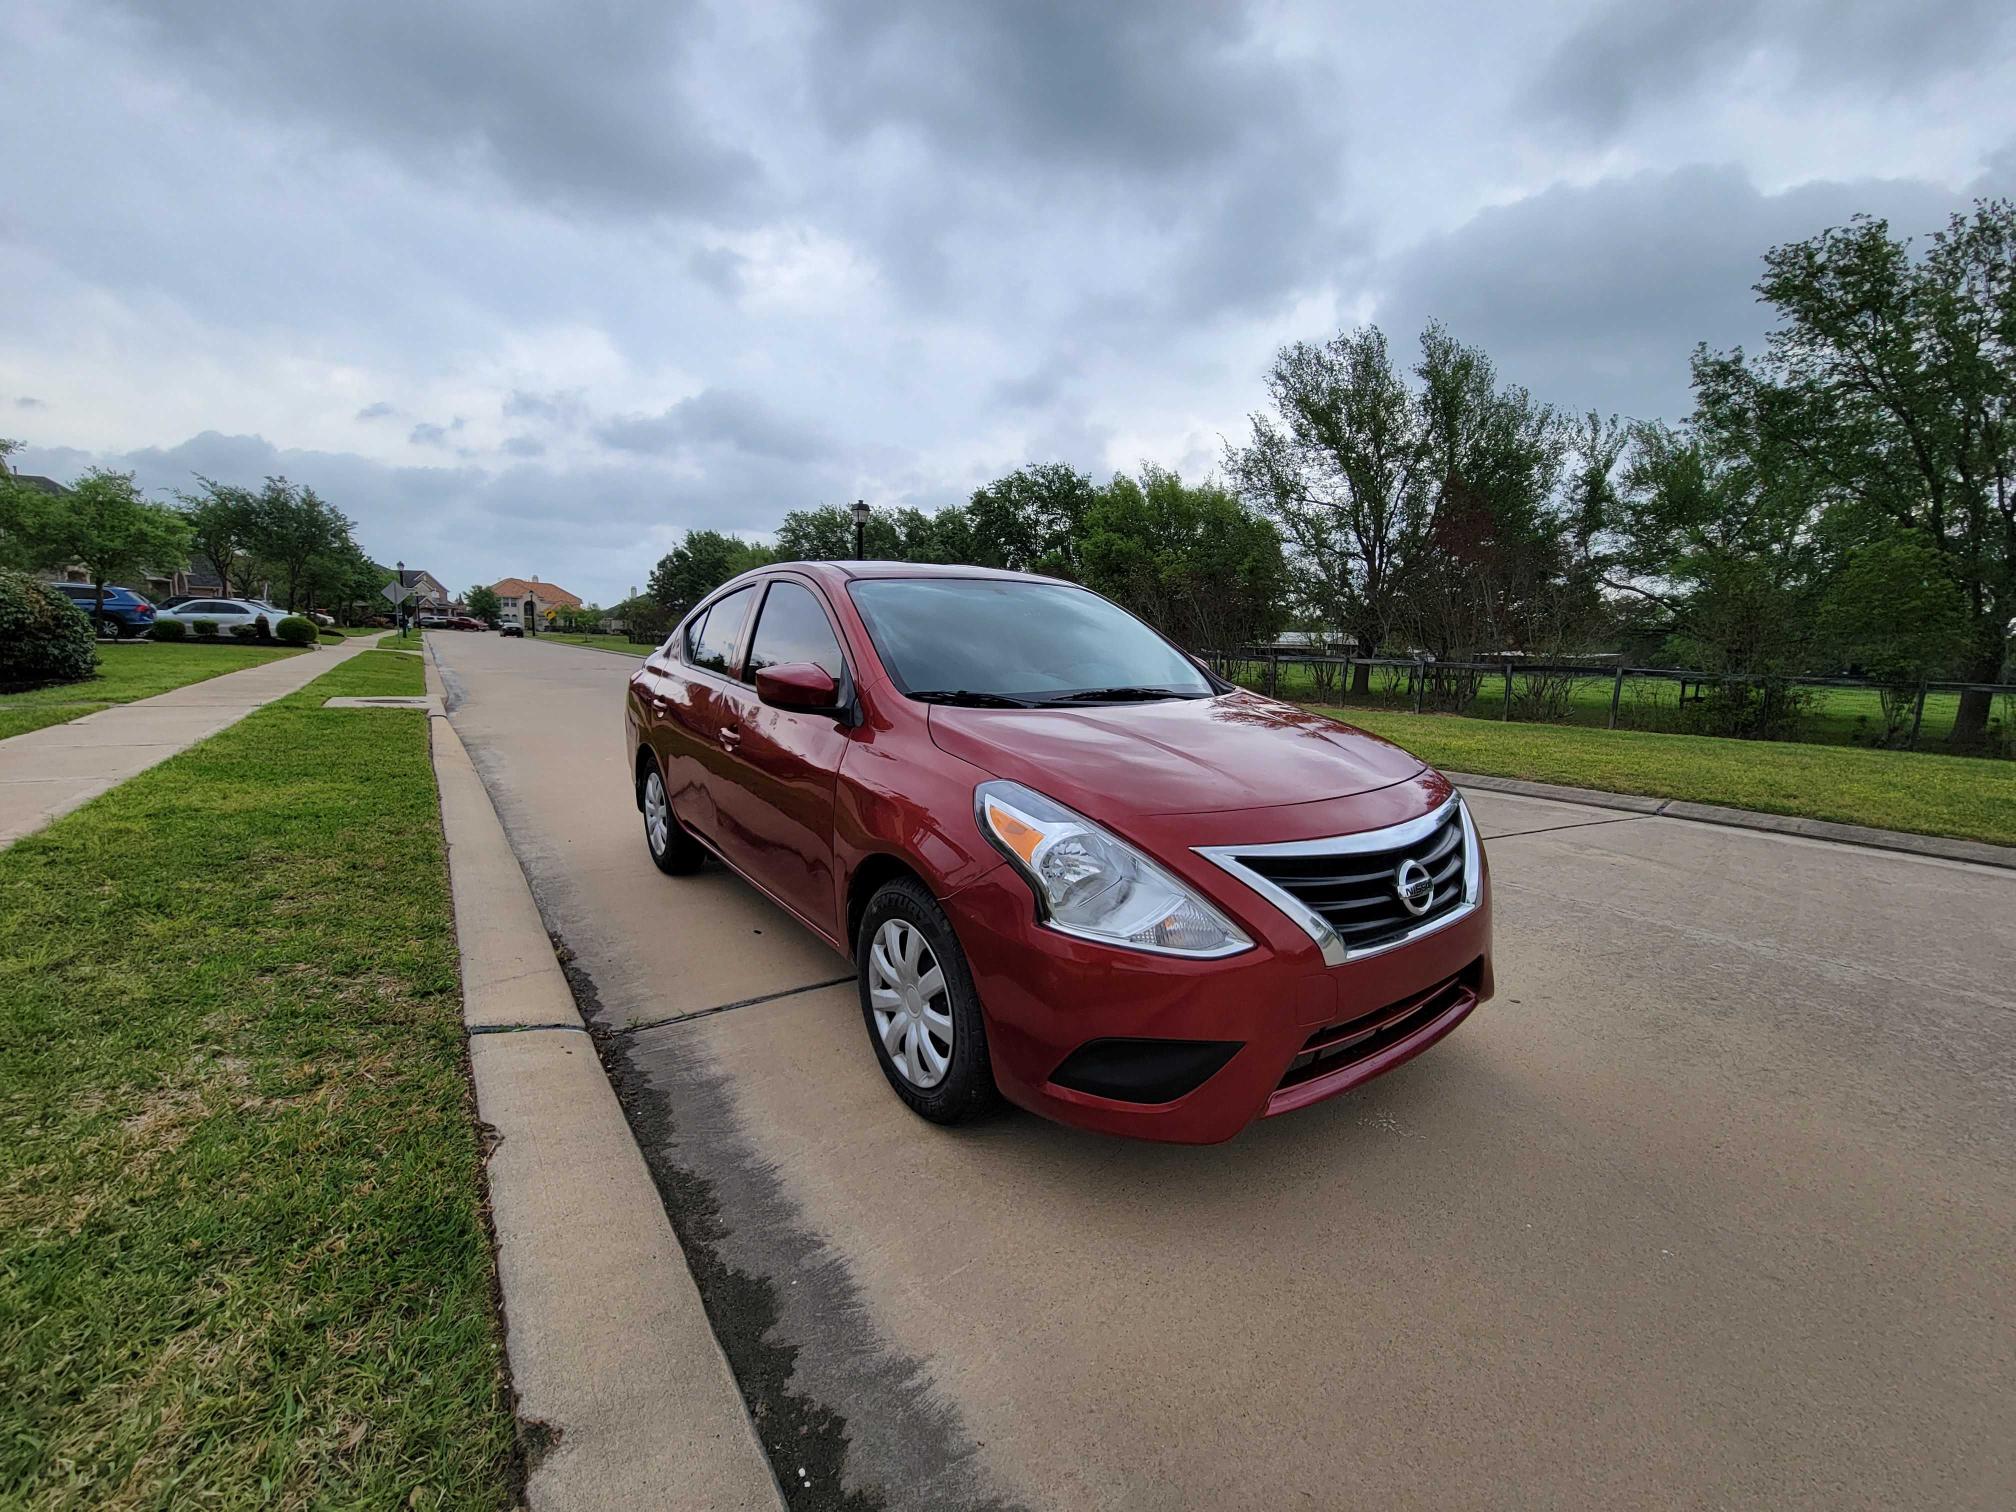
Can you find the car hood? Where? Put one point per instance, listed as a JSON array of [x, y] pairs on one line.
[[1177, 756]]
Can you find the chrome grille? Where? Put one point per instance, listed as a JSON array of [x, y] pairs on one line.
[[1347, 891]]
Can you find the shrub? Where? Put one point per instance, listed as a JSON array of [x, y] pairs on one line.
[[295, 630], [206, 628], [169, 630], [44, 638], [245, 632]]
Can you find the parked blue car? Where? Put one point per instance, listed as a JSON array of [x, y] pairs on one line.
[[125, 612]]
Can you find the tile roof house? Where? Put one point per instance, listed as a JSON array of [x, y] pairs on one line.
[[524, 598]]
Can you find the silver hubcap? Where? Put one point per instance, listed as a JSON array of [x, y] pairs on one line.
[[906, 993], [657, 816]]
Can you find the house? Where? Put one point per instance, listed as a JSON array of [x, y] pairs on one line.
[[430, 594], [199, 577], [531, 602]]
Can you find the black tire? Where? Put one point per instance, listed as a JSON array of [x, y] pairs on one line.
[[966, 1089], [111, 629], [672, 850]]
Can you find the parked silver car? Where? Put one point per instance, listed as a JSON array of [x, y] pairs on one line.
[[227, 614]]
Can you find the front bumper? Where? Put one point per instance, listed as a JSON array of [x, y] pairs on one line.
[[1303, 1031]]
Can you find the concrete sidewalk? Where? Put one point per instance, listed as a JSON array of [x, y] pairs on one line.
[[46, 773], [621, 1387]]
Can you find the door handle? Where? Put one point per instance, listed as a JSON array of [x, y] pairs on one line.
[[730, 736]]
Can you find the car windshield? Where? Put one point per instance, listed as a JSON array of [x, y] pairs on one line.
[[999, 640]]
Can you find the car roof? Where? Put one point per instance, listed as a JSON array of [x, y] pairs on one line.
[[842, 572]]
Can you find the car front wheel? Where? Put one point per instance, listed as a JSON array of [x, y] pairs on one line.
[[918, 1001]]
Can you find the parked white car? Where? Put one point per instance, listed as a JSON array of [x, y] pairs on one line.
[[227, 614]]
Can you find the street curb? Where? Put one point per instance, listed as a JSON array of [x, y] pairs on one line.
[[1938, 847], [618, 1376]]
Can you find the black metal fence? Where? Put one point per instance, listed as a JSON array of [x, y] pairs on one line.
[[1829, 710]]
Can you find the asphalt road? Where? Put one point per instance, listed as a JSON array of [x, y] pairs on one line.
[[1713, 1206]]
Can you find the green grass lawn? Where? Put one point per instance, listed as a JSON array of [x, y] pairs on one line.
[[1932, 795], [242, 1253], [128, 671], [1835, 716], [616, 643]]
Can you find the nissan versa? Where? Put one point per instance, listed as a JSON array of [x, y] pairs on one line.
[[1069, 864]]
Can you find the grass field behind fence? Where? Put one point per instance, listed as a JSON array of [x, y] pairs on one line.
[[242, 1253], [1968, 798], [1835, 716]]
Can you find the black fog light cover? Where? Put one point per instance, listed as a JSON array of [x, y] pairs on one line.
[[1143, 1070]]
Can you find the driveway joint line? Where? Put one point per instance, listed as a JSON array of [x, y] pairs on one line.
[[475, 1029], [1548, 829], [750, 1002]]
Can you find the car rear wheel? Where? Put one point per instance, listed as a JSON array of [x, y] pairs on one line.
[[111, 629], [918, 1001], [673, 851]]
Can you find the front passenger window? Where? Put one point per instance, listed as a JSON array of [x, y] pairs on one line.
[[793, 628]]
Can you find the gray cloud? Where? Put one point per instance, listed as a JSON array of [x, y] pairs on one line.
[[29, 402], [578, 105], [382, 410], [595, 527], [1631, 55], [525, 446], [559, 407], [718, 418], [1595, 297], [426, 433]]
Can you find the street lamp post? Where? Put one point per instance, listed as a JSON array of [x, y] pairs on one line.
[[860, 528]]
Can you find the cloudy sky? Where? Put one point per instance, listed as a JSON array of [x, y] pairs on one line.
[[536, 287]]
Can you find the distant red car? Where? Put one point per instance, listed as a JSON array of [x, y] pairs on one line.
[[1068, 862], [466, 622]]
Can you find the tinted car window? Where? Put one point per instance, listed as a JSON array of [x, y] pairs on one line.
[[1017, 639], [793, 628], [717, 641]]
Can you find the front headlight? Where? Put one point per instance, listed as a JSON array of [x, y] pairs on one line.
[[1089, 882]]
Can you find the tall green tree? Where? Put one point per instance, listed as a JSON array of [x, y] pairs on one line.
[[1031, 520], [1339, 465], [107, 527], [485, 605], [291, 532], [220, 517], [1713, 553], [1190, 559], [699, 564], [1888, 393], [24, 516], [826, 534]]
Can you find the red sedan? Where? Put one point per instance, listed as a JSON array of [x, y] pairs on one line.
[[1069, 864]]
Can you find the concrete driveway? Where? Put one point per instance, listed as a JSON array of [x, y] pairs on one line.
[[1713, 1206]]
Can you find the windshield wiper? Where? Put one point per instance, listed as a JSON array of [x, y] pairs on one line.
[[1117, 695], [963, 699]]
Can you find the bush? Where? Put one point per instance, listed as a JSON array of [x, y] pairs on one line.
[[295, 630], [169, 630], [245, 632], [44, 638], [207, 628]]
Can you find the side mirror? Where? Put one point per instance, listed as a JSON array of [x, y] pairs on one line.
[[800, 686]]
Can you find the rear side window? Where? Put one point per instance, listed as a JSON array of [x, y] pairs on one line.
[[793, 628], [715, 641]]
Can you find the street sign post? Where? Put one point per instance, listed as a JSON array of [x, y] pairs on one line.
[[397, 594]]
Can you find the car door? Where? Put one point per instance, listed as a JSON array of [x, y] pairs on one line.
[[690, 723], [775, 804]]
